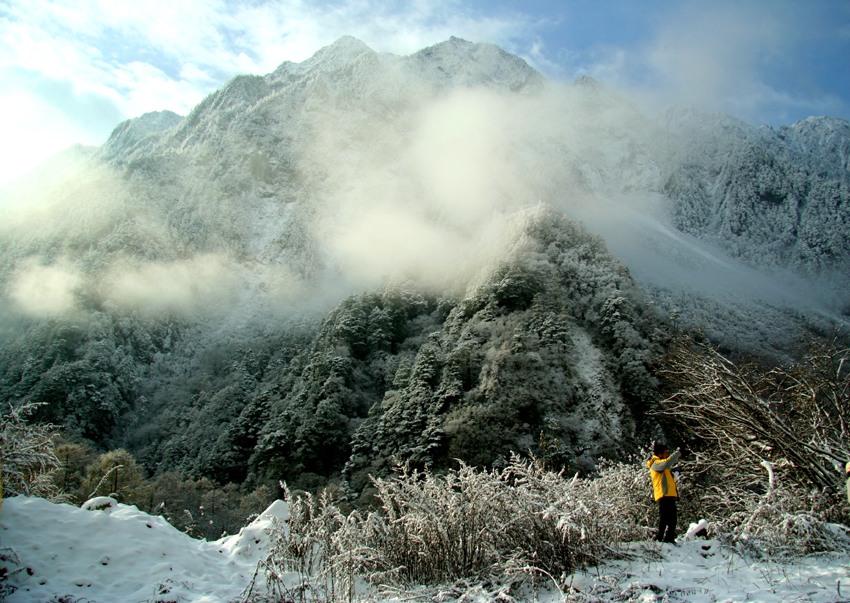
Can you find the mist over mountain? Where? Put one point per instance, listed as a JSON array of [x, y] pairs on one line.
[[363, 257]]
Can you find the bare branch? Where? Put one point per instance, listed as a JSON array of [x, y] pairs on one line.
[[795, 418]]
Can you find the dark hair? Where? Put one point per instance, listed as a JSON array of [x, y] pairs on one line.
[[658, 448]]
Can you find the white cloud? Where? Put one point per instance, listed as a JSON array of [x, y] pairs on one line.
[[142, 87], [45, 291], [439, 198], [731, 57], [184, 287], [32, 130], [465, 163], [717, 53]]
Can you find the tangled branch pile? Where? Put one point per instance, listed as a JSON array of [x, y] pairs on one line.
[[796, 418]]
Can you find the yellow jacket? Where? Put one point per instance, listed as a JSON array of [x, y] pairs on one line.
[[847, 468], [663, 482]]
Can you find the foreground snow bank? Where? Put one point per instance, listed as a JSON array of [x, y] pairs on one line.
[[123, 555]]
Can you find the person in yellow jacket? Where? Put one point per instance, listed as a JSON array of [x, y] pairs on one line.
[[664, 490], [847, 470]]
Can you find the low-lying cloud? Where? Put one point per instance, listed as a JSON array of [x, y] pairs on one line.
[[45, 291], [184, 287], [443, 197], [407, 181], [197, 286]]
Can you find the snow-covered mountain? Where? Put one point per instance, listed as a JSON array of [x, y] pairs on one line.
[[183, 266], [294, 168]]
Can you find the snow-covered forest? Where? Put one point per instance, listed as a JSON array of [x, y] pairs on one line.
[[441, 261]]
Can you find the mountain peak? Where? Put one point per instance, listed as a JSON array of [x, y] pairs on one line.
[[461, 62], [129, 133], [344, 51], [148, 123], [459, 46], [349, 43], [587, 82]]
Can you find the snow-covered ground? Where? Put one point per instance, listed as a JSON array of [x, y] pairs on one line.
[[122, 555]]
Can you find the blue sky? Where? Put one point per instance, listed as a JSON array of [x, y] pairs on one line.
[[71, 70]]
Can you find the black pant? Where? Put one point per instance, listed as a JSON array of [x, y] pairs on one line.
[[666, 519]]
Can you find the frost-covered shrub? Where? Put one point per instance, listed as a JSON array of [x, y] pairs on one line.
[[622, 494], [314, 555], [784, 522], [522, 522], [438, 528], [27, 454]]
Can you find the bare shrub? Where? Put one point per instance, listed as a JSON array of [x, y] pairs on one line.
[[796, 418], [743, 419]]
